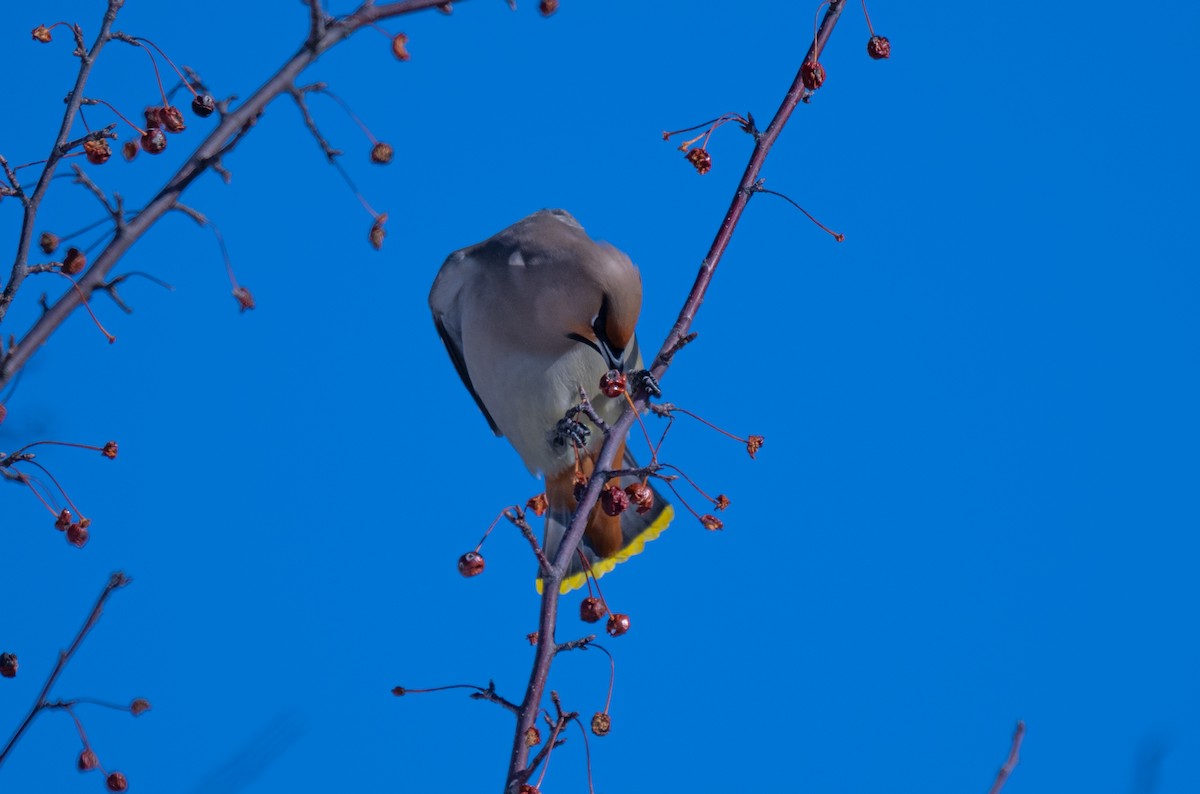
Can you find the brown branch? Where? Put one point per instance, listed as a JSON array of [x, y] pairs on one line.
[[518, 769], [235, 125], [1014, 755], [115, 582]]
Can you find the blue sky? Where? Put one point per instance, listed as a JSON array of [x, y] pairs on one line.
[[977, 498]]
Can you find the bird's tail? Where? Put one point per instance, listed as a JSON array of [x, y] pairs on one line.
[[608, 540]]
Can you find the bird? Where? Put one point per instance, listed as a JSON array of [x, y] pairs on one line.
[[532, 318]]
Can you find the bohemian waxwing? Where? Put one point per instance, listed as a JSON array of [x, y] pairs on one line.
[[530, 316]]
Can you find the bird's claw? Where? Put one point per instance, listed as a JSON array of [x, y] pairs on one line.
[[570, 431], [642, 379]]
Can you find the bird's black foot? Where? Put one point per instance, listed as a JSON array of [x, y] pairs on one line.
[[642, 379], [569, 431]]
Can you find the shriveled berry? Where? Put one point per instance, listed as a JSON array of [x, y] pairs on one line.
[[612, 384], [538, 505], [591, 609], [878, 47], [129, 149], [63, 521], [721, 502], [74, 262], [87, 760], [812, 74], [41, 33], [701, 160], [77, 535], [3, 413], [172, 119], [548, 7], [528, 789], [48, 242], [641, 495], [618, 624], [97, 152], [244, 298], [381, 153], [532, 637], [754, 444], [203, 105], [580, 487], [398, 48], [533, 737], [711, 522], [154, 141], [601, 723], [377, 231], [139, 707], [116, 782], [8, 665], [153, 115], [470, 564], [613, 500], [110, 450]]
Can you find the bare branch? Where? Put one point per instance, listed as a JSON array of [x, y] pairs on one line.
[[518, 771], [115, 582], [1014, 755]]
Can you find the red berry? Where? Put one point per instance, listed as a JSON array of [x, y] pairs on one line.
[[203, 105], [116, 782], [618, 624], [701, 160], [641, 495], [398, 48], [77, 535], [613, 383], [8, 665], [591, 609], [87, 760], [878, 47], [613, 500], [74, 262], [548, 7], [172, 119], [139, 706], [97, 152], [48, 242], [470, 564], [812, 74], [154, 141], [129, 149]]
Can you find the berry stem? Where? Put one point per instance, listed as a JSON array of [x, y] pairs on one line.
[[57, 485], [25, 478], [835, 235], [587, 751], [157, 76], [186, 84], [612, 674], [120, 115], [645, 432], [87, 305], [868, 16], [55, 444], [346, 107]]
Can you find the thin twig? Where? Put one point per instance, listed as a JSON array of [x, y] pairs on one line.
[[115, 582], [1014, 755]]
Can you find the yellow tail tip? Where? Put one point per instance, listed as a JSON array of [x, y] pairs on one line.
[[631, 549]]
